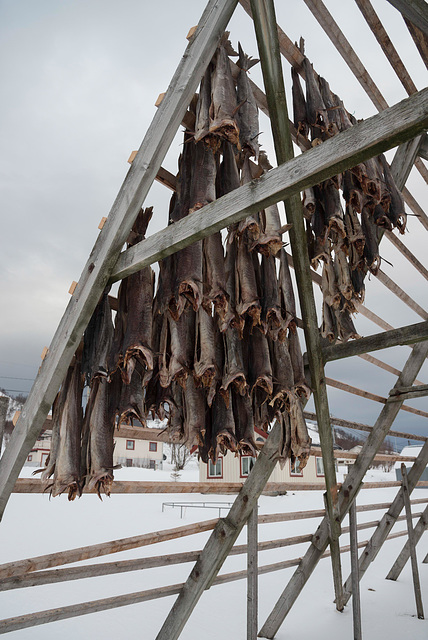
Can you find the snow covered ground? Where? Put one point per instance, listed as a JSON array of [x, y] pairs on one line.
[[34, 525]]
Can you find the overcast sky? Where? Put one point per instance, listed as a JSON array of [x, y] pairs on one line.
[[79, 80]]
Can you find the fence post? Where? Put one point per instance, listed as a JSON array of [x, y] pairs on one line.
[[252, 574], [356, 605], [412, 546]]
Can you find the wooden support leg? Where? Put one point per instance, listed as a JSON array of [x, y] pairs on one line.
[[223, 538], [356, 605], [399, 564], [252, 575], [347, 493], [270, 57], [4, 403], [412, 544], [387, 522]]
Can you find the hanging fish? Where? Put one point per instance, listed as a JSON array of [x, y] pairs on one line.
[[248, 113], [395, 211], [223, 106], [100, 443], [194, 414], [202, 124], [244, 423], [299, 106], [205, 356], [97, 341], [315, 107]]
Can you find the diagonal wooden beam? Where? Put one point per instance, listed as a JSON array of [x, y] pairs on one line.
[[414, 10], [404, 555], [388, 520], [366, 139], [125, 209], [347, 493]]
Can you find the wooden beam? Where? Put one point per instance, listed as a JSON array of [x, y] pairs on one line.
[[420, 40], [401, 294], [339, 422], [415, 207], [423, 149], [252, 575], [388, 520], [372, 396], [111, 239], [417, 391], [364, 140], [347, 493], [404, 160], [388, 48], [4, 403], [356, 604], [405, 251], [269, 51], [414, 10], [404, 554], [71, 611], [412, 544], [142, 433], [222, 539], [409, 334]]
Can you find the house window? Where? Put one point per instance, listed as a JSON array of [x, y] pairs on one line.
[[130, 445], [153, 446], [45, 457], [247, 463], [320, 466], [215, 470], [30, 457], [296, 470]]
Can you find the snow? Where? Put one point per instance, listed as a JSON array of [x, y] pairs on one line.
[[34, 525]]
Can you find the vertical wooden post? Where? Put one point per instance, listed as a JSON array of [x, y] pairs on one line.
[[412, 547], [4, 403], [356, 605], [252, 574], [267, 41], [404, 555]]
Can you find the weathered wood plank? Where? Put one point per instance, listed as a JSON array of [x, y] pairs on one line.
[[404, 160], [4, 403], [347, 493], [423, 149], [52, 615], [409, 334], [388, 520], [356, 604], [401, 294], [383, 131], [125, 209], [414, 10], [252, 575], [412, 544], [388, 48], [404, 555], [419, 391], [403, 249]]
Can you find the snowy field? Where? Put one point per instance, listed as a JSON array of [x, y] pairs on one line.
[[34, 525]]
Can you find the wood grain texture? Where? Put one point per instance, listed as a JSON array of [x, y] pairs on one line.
[[404, 555], [414, 10]]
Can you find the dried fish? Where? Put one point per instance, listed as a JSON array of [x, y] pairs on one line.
[[234, 372], [101, 445], [271, 318], [247, 298], [67, 463], [223, 96], [248, 113], [259, 366], [182, 334], [315, 107], [299, 106], [395, 212], [97, 340], [329, 324], [214, 275], [194, 414], [343, 274], [131, 405], [205, 356], [329, 285], [202, 124], [371, 246], [223, 427], [300, 440], [244, 423], [301, 386], [333, 208], [286, 293]]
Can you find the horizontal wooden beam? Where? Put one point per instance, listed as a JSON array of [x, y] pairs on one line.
[[32, 485], [408, 393], [409, 334], [366, 139]]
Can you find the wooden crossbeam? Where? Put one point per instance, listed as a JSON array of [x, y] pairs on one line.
[[409, 334], [388, 520], [366, 139], [404, 555], [111, 239], [347, 493]]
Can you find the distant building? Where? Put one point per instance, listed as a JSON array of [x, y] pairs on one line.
[[232, 468], [128, 452]]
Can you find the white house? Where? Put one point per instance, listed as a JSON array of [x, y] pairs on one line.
[[39, 453], [414, 451], [230, 468]]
